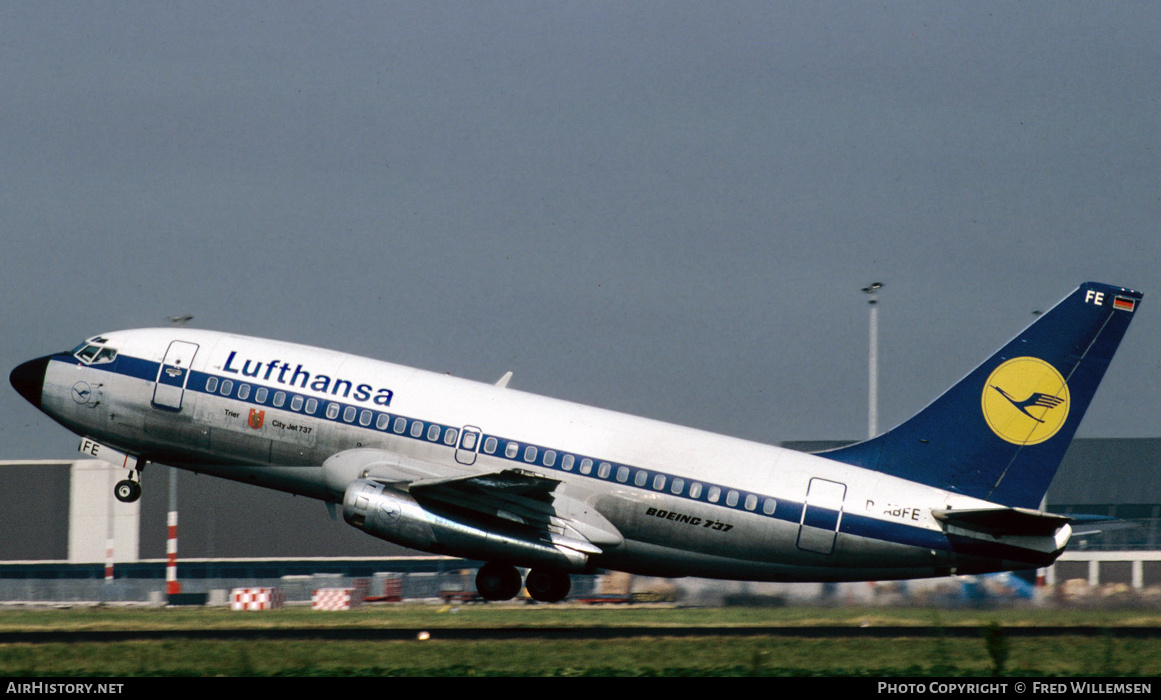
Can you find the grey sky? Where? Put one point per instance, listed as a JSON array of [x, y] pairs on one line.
[[661, 208]]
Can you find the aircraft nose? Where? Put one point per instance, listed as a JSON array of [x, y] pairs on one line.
[[28, 379]]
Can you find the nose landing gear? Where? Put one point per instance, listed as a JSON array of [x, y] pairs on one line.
[[129, 490]]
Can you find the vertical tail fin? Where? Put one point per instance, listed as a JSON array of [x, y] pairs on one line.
[[1001, 432]]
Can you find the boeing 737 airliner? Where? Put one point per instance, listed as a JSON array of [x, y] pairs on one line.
[[480, 471]]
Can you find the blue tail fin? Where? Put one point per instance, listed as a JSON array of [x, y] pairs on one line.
[[1001, 432]]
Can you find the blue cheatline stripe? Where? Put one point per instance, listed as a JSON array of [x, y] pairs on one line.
[[822, 518], [518, 454]]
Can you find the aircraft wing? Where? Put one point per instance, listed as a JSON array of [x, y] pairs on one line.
[[525, 498], [506, 484], [495, 501]]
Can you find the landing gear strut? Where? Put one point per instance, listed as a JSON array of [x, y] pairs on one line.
[[548, 585], [129, 490], [497, 581]]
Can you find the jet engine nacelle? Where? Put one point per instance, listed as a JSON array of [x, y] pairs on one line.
[[396, 517]]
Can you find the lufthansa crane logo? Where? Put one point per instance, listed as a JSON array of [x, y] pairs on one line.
[[82, 392], [389, 512], [1025, 401]]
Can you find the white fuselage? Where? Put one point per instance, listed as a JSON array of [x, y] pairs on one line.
[[683, 501]]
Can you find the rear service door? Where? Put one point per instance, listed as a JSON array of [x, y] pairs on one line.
[[821, 516]]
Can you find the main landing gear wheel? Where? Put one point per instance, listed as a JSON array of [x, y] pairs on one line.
[[498, 581], [548, 585], [127, 491]]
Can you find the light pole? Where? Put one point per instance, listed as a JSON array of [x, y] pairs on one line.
[[871, 291]]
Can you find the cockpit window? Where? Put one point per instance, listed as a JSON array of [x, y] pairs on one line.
[[92, 354]]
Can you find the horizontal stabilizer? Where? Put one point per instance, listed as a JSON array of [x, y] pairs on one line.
[[1002, 522], [1100, 524]]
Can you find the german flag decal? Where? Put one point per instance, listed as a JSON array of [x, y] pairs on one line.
[[1124, 303]]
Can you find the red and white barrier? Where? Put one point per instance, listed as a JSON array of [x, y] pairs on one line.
[[336, 599], [256, 599]]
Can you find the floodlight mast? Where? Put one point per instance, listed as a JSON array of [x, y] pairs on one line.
[[872, 291]]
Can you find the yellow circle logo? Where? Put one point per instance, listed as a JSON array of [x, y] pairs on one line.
[[1025, 401]]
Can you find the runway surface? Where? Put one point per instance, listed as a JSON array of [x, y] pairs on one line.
[[570, 633]]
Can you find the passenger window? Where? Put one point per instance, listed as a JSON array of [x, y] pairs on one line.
[[382, 421], [212, 384], [530, 454], [549, 458], [416, 428], [676, 486], [433, 433], [695, 490], [511, 450], [732, 498], [586, 466], [714, 494], [296, 403], [604, 469], [400, 425], [279, 398], [769, 506], [622, 474], [449, 436], [641, 478], [227, 387], [311, 406], [332, 410], [490, 445], [243, 391], [659, 483], [261, 394], [751, 502], [567, 463], [470, 440]]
